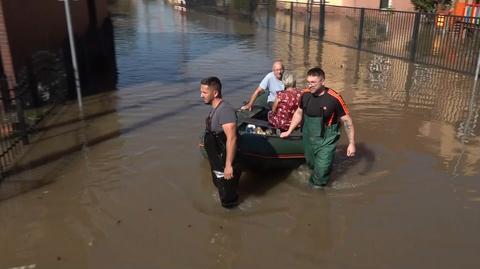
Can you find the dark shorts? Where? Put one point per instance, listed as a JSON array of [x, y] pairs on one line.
[[270, 105]]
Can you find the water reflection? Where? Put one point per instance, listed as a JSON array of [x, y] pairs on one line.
[[41, 176], [225, 243], [382, 91], [144, 193], [47, 160]]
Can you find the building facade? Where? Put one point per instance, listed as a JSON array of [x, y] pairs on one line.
[[400, 5]]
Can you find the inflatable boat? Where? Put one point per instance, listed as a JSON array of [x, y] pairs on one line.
[[259, 145]]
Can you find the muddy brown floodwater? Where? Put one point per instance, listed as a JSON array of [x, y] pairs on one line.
[[142, 197]]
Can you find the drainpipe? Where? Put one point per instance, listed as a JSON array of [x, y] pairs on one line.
[[74, 56]]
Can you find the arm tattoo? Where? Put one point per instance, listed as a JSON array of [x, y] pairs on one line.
[[347, 125], [349, 129]]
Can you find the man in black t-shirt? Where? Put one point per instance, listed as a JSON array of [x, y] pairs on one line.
[[220, 141], [321, 109]]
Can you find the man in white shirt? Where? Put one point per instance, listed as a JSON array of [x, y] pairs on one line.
[[272, 83]]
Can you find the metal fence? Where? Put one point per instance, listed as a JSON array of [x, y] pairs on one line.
[[13, 130], [41, 85], [445, 41]]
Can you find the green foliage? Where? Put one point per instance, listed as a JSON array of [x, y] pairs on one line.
[[429, 5]]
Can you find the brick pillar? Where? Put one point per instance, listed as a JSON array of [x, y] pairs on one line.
[[5, 51]]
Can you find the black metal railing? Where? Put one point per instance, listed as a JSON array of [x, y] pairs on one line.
[[445, 41], [13, 128], [40, 86]]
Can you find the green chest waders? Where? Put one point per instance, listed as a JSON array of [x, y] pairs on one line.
[[319, 142]]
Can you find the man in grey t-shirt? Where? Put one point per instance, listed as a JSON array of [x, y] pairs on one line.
[[272, 83], [220, 141], [224, 113]]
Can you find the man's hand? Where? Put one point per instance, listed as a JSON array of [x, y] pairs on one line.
[[351, 150], [252, 99], [247, 107], [228, 172], [296, 119], [284, 134]]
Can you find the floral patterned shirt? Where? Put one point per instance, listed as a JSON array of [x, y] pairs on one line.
[[287, 105]]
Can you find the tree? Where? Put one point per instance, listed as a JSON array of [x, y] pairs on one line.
[[429, 5]]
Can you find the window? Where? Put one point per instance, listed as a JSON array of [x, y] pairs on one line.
[[384, 4]]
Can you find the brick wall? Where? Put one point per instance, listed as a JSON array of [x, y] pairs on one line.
[[5, 50]]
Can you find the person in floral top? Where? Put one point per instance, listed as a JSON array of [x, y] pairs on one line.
[[285, 104]]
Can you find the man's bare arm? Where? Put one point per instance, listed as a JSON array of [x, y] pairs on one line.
[[296, 119], [230, 130], [350, 132], [254, 96]]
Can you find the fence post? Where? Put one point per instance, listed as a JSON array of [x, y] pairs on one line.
[[360, 28], [308, 18], [5, 95], [21, 119], [268, 14], [291, 17], [321, 21], [414, 41]]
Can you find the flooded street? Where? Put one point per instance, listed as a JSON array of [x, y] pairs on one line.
[[141, 196]]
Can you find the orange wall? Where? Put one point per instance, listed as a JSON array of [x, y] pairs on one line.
[[355, 3], [401, 5], [33, 25]]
